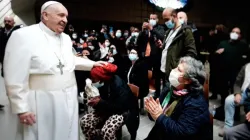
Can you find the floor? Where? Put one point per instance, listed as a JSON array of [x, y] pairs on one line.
[[145, 123]]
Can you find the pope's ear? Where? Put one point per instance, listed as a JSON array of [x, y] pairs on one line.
[[44, 16]]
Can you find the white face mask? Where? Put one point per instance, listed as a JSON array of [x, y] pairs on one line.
[[98, 84], [234, 36], [81, 41], [173, 78], [91, 47], [107, 44], [136, 34], [118, 34], [111, 60], [74, 36], [215, 31], [152, 22]]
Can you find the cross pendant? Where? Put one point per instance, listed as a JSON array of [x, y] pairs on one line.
[[60, 66]]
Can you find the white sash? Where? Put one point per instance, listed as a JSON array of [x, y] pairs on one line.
[[51, 82]]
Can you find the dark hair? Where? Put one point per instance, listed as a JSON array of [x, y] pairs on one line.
[[87, 49]]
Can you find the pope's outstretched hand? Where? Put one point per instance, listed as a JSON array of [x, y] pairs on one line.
[[100, 63]]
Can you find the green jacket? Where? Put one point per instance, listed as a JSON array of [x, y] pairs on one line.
[[182, 45]]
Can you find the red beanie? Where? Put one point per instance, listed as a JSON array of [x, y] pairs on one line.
[[103, 73]]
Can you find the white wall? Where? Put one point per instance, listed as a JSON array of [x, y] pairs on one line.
[[22, 11]]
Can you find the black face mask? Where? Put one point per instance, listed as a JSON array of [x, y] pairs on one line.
[[7, 26]]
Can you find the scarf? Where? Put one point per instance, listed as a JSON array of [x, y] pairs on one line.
[[168, 109]]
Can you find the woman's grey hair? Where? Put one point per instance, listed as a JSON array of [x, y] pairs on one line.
[[194, 71]]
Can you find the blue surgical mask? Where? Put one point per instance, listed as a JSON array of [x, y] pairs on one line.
[[133, 57], [181, 21], [114, 52], [98, 84], [170, 24]]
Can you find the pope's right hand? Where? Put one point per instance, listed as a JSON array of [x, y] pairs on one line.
[[27, 118]]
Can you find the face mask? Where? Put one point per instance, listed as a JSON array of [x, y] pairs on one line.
[[125, 34], [98, 84], [118, 34], [111, 60], [114, 52], [215, 31], [152, 22], [91, 47], [85, 35], [107, 44], [170, 24], [181, 21], [74, 36], [173, 78], [234, 36], [132, 57], [136, 34], [81, 41]]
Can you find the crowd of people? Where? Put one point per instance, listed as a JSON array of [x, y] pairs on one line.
[[43, 92]]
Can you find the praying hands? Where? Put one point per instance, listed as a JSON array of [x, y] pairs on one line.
[[153, 107], [248, 116]]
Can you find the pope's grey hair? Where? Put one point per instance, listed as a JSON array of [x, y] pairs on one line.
[[194, 71]]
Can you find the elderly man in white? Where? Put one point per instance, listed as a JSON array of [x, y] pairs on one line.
[[39, 76]]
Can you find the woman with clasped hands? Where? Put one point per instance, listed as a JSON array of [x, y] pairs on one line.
[[181, 112]]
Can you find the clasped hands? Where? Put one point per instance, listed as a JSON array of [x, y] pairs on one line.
[[248, 117], [153, 107], [94, 101], [27, 118]]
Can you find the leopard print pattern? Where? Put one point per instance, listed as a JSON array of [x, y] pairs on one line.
[[89, 122], [111, 126]]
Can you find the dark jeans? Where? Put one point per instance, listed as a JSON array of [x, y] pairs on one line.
[[159, 76]]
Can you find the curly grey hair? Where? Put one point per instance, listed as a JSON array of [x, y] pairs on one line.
[[194, 71]]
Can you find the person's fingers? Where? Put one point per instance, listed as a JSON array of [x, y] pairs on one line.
[[104, 63], [158, 101], [33, 118], [28, 120], [152, 100], [151, 106]]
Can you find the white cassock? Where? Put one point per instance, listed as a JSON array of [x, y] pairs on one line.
[[34, 83]]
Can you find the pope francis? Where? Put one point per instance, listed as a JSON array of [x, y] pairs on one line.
[[39, 76]]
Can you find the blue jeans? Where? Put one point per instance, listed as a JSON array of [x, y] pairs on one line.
[[230, 108]]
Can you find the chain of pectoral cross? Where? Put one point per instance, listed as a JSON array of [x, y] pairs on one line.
[[60, 65]]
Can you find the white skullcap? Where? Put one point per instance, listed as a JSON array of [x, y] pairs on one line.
[[47, 4]]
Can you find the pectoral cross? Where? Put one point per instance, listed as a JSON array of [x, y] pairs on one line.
[[60, 66]]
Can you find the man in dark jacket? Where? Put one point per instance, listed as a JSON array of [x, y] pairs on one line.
[[178, 42], [183, 18], [5, 34], [148, 48]]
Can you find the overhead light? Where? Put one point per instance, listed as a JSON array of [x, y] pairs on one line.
[[176, 4]]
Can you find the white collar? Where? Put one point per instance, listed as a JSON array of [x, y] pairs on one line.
[[47, 30]]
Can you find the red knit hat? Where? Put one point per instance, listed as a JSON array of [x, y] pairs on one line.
[[103, 73]]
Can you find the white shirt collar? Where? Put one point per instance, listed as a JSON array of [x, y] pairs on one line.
[[47, 30]]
